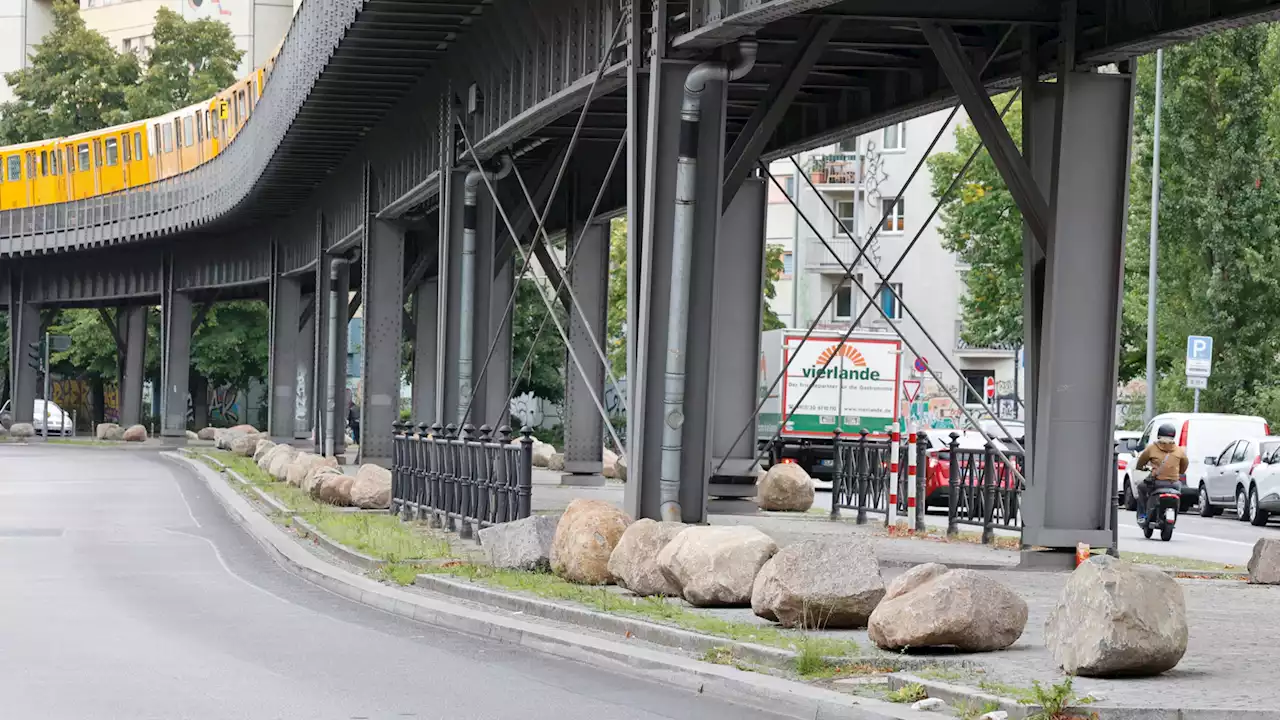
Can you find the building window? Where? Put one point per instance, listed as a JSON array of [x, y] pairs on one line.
[[789, 182], [892, 209], [845, 217], [779, 194], [848, 147], [975, 381], [889, 297], [788, 265], [895, 137], [844, 302]]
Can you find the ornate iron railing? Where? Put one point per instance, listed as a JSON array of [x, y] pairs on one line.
[[461, 480], [864, 469], [983, 488]]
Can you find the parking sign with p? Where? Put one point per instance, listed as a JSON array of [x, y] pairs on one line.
[[1199, 355]]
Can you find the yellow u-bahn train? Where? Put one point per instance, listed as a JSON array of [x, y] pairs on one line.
[[129, 155]]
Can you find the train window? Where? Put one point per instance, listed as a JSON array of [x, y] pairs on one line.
[[199, 127], [31, 166], [44, 163], [15, 168], [188, 132], [97, 153], [128, 147], [137, 145], [71, 166], [55, 159], [82, 156], [3, 174], [168, 138], [113, 152]]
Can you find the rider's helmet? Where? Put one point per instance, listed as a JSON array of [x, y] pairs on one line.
[[1166, 432]]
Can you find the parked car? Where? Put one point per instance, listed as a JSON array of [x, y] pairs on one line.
[[1227, 476], [1201, 435], [1128, 447], [937, 490], [59, 421], [1263, 494]]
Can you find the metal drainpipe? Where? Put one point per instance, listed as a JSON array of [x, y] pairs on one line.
[[467, 281], [336, 350], [681, 258]]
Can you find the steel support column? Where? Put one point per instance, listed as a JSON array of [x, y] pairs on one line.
[[383, 283], [175, 338], [482, 301], [646, 430], [1072, 481], [737, 306], [286, 306], [497, 379], [132, 322], [305, 355], [24, 329], [426, 300], [319, 373], [449, 325], [583, 426]]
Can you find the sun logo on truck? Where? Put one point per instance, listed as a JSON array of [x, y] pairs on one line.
[[845, 351]]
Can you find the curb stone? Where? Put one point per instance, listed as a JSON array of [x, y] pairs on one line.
[[1017, 711], [730, 684], [354, 557]]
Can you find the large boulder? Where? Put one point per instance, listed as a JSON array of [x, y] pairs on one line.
[[932, 606], [827, 583], [521, 544], [542, 454], [315, 478], [634, 562], [207, 433], [246, 429], [372, 488], [135, 433], [556, 463], [716, 565], [192, 436], [281, 462], [1264, 566], [246, 445], [609, 463], [108, 431], [261, 449], [585, 537], [222, 439], [335, 489], [1114, 618], [303, 463], [786, 486], [620, 467], [264, 462], [22, 430]]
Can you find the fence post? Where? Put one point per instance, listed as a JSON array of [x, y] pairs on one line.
[[891, 506], [466, 480], [451, 469], [988, 493], [505, 493], [435, 476], [953, 482], [860, 463], [836, 469], [397, 483], [484, 479], [524, 492], [421, 464], [917, 500], [1114, 550]]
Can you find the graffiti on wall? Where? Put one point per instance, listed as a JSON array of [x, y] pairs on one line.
[[224, 406]]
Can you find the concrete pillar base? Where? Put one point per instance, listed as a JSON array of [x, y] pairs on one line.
[[582, 480]]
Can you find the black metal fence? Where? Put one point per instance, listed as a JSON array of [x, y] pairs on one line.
[[461, 480], [983, 488], [864, 476]]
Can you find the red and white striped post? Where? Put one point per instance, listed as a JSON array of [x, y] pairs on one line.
[[911, 480], [895, 439]]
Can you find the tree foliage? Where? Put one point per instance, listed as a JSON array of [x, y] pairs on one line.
[[544, 376], [232, 345], [773, 268], [616, 336], [190, 62], [75, 83]]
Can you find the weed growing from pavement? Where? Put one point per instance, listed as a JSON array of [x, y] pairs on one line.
[[943, 673], [909, 693], [1055, 701], [973, 710]]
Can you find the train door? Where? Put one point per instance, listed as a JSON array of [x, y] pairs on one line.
[[83, 171], [12, 192], [44, 186], [111, 173]]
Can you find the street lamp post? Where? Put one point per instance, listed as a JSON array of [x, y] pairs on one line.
[[1155, 242]]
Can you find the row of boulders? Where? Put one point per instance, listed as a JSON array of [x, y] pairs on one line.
[[111, 432], [545, 456], [320, 477]]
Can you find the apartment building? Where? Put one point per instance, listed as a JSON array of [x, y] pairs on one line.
[[22, 24], [844, 192], [257, 25]]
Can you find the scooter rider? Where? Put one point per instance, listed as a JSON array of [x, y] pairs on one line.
[[1167, 461]]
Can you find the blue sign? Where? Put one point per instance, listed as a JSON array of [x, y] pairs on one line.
[[1199, 355]]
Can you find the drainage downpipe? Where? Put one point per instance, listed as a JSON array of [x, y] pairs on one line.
[[336, 299], [467, 281], [681, 258]]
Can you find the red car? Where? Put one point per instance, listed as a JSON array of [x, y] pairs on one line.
[[938, 463]]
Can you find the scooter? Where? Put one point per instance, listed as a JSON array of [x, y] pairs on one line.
[[1162, 512]]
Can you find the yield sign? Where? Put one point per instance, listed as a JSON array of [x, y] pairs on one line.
[[911, 388]]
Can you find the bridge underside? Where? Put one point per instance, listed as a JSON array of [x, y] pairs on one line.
[[353, 177]]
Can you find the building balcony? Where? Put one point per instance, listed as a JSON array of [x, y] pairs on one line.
[[991, 350], [841, 171], [818, 258]]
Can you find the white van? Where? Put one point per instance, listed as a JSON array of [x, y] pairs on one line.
[[1201, 435]]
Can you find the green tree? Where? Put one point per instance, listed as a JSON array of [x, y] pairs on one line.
[[616, 335], [773, 268], [544, 376], [190, 62], [232, 344], [75, 83]]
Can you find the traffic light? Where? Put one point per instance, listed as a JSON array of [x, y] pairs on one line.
[[34, 356]]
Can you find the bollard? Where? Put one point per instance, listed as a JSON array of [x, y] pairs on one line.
[[921, 506], [911, 479], [836, 477], [989, 493], [891, 511], [860, 466], [953, 489]]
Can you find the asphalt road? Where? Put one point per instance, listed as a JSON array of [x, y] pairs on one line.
[[1222, 539], [127, 592]]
